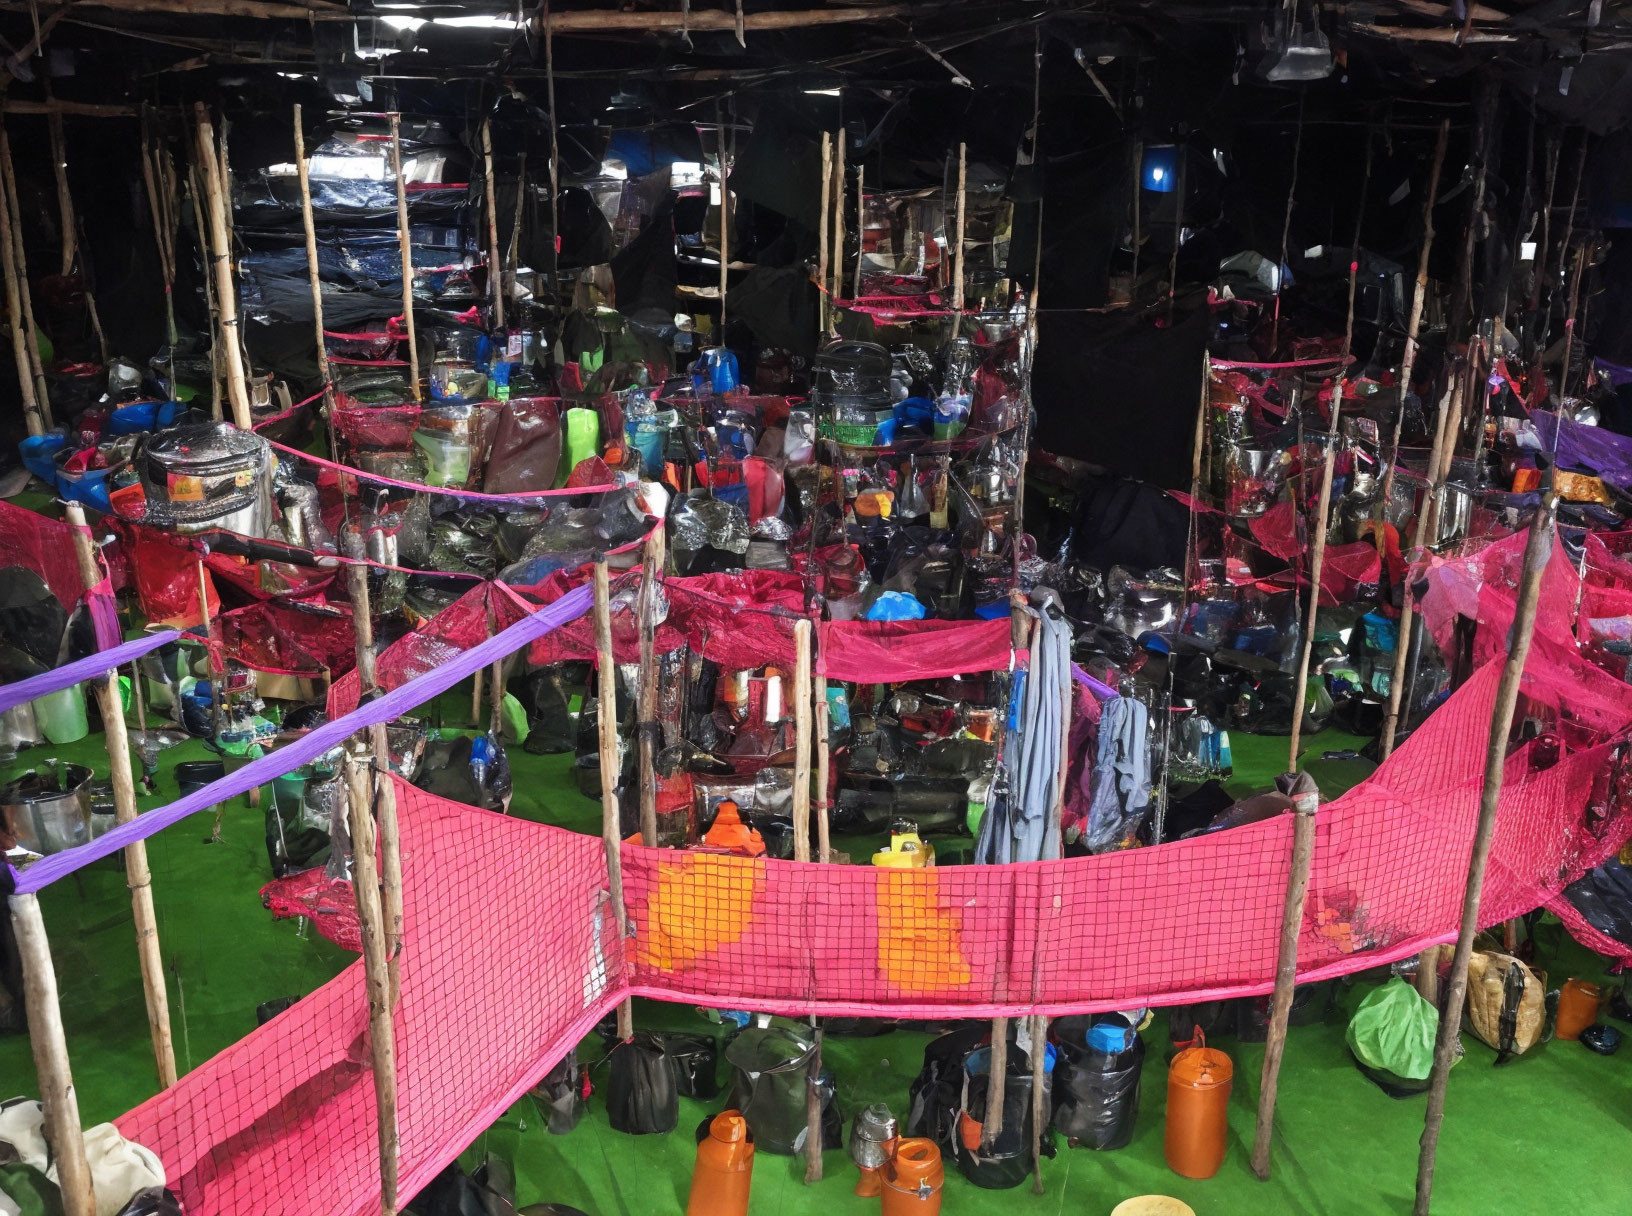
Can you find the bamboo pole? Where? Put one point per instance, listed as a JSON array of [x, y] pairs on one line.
[[725, 229], [1317, 562], [26, 296], [1354, 245], [63, 1132], [74, 109], [606, 688], [1537, 549], [1427, 980], [695, 20], [962, 216], [1286, 972], [513, 246], [495, 268], [1039, 1113], [1408, 357], [68, 226], [382, 1032], [1569, 324], [651, 570], [138, 877], [32, 411], [823, 233], [861, 226], [220, 253], [406, 253], [312, 275], [824, 841], [195, 192], [800, 695], [1425, 523], [1286, 225], [837, 264]]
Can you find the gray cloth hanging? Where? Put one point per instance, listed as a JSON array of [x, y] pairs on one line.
[[1018, 826]]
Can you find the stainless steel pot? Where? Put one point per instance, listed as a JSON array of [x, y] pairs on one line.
[[871, 1136], [48, 809], [210, 476]]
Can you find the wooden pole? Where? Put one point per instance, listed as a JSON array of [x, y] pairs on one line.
[[651, 570], [1569, 324], [513, 246], [220, 253], [63, 1132], [1537, 549], [20, 256], [1039, 1109], [138, 877], [813, 1105], [312, 275], [1354, 245], [725, 228], [406, 253], [195, 191], [495, 268], [824, 842], [606, 688], [800, 696], [69, 227], [959, 230], [1317, 562], [32, 411], [861, 226], [160, 203], [839, 189], [1286, 226], [1286, 974], [996, 1082], [694, 20], [1408, 358], [1428, 974], [825, 231], [365, 882]]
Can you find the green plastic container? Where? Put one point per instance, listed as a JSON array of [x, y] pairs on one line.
[[583, 428], [61, 715]]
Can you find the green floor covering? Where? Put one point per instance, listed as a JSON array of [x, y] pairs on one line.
[[1549, 1132]]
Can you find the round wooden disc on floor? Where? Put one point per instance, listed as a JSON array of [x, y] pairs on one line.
[[1153, 1205]]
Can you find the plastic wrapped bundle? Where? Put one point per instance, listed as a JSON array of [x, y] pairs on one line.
[[1392, 1038]]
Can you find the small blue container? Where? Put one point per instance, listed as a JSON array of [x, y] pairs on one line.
[[39, 453]]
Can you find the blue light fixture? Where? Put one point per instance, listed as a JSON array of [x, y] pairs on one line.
[[1159, 171]]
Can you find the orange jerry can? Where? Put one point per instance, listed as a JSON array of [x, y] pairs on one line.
[[913, 1179], [1578, 1005], [1198, 1104], [724, 1169]]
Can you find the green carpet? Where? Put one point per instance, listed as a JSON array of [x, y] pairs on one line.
[[1552, 1131]]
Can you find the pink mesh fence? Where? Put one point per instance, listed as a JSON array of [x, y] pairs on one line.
[[510, 954]]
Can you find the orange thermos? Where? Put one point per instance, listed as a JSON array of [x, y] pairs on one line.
[[913, 1179], [1198, 1103], [1578, 1003], [724, 1170]]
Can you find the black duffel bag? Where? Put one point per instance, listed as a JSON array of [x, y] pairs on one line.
[[642, 1092]]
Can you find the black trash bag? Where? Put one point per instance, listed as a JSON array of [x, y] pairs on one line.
[[642, 1092], [1603, 897], [31, 619], [154, 1201], [563, 1095], [696, 1063], [1006, 1162], [1310, 1003], [490, 1191], [1096, 1093], [769, 1067], [550, 729]]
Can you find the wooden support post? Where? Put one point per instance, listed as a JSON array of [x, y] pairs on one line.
[[365, 882], [220, 255], [1317, 563], [822, 235], [1039, 1108], [138, 877], [800, 696], [1536, 551], [646, 725], [63, 1132], [1428, 974], [824, 841], [33, 413], [606, 687], [385, 793], [1286, 228], [1413, 324], [495, 267], [195, 191], [958, 230], [1286, 974], [1569, 323], [996, 1082], [159, 181], [405, 252], [725, 230], [838, 215], [861, 226], [1354, 245], [31, 344], [813, 1109], [312, 275], [67, 224]]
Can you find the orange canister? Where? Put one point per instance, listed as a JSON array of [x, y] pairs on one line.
[[724, 1169], [913, 1179], [1198, 1103], [1578, 1004]]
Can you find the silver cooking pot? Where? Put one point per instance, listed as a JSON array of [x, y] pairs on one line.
[[48, 809]]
